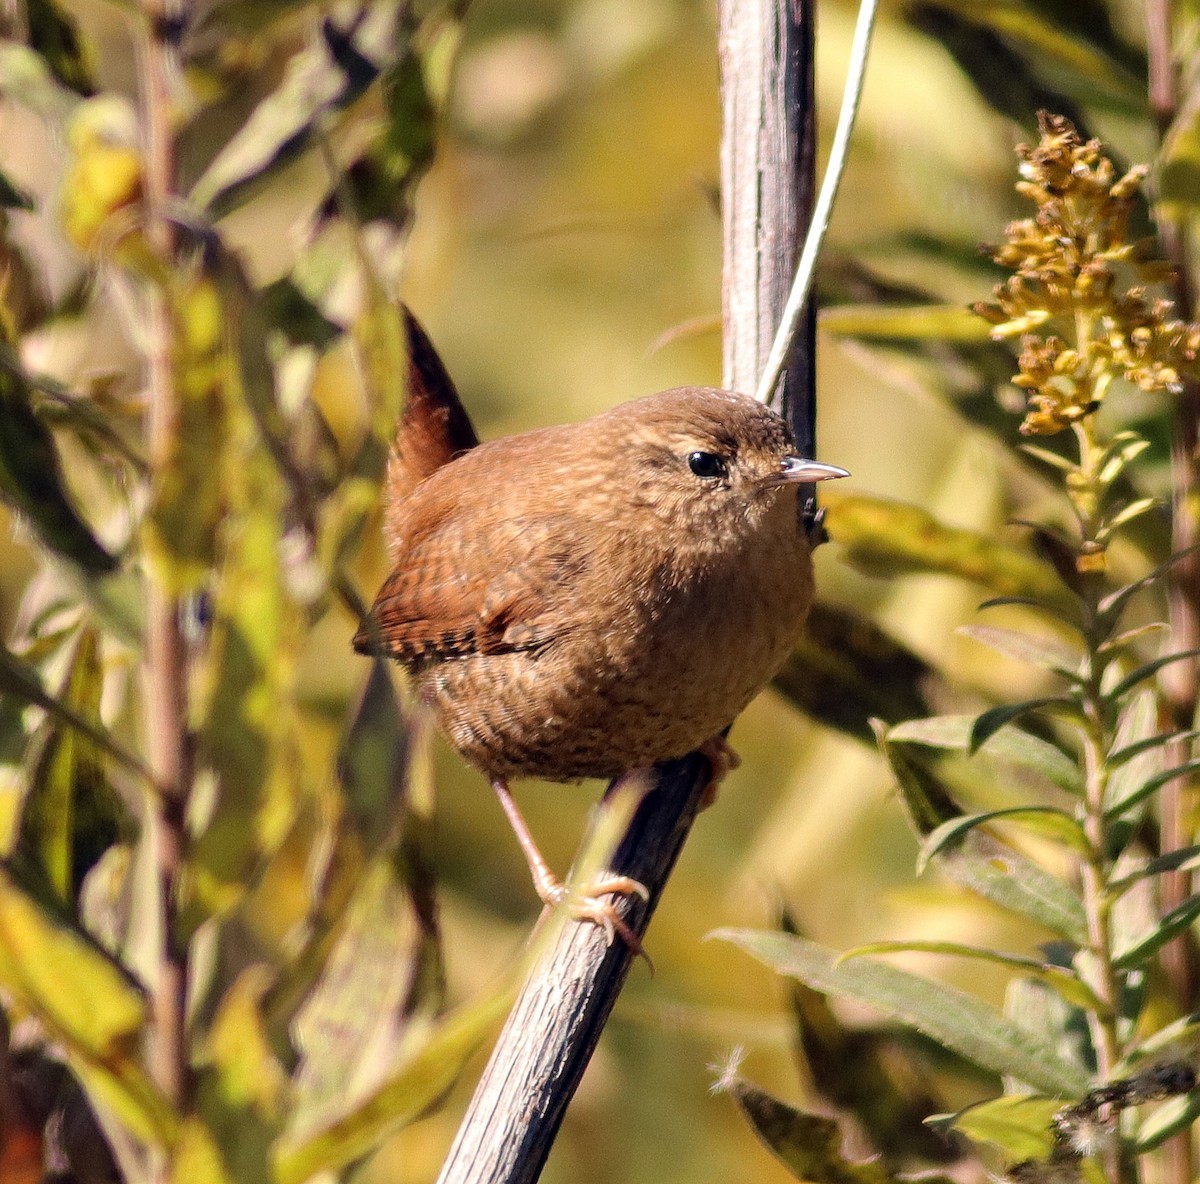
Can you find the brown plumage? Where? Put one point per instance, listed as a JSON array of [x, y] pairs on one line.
[[585, 599]]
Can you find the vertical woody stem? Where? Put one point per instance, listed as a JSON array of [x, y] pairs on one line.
[[1180, 680], [165, 678]]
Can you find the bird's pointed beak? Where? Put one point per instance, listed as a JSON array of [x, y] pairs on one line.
[[796, 470]]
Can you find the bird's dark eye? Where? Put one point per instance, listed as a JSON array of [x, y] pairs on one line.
[[707, 464]]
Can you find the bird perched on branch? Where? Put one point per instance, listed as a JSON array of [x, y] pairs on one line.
[[586, 599]]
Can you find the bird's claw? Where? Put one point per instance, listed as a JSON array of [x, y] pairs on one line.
[[722, 761], [589, 905]]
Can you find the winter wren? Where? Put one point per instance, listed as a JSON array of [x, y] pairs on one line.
[[581, 600]]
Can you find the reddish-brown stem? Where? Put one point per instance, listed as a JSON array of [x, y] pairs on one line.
[[165, 676], [1181, 680]]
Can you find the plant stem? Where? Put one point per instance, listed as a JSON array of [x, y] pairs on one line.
[[165, 679], [1181, 680]]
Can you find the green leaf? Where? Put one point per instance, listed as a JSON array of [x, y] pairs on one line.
[[31, 477], [990, 722], [1009, 744], [428, 1068], [962, 1023], [1171, 926], [1060, 42], [1019, 1124], [808, 1145], [1052, 460], [1025, 647], [319, 82], [1110, 608], [936, 322], [98, 1021], [20, 681], [891, 538], [69, 816], [1143, 672], [1174, 1115], [1185, 858], [1136, 723], [188, 496], [1064, 981], [1047, 820], [242, 1090], [1126, 514], [980, 863], [54, 35]]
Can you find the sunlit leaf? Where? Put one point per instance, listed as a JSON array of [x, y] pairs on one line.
[[808, 1145], [1045, 820], [1146, 946], [892, 538], [1183, 859], [991, 721], [1019, 1124], [961, 1022], [1064, 981], [1135, 726], [940, 322], [20, 682], [1009, 744], [69, 815], [320, 81], [981, 863], [241, 1089], [188, 499], [1145, 671], [98, 1022], [429, 1064], [31, 477], [1174, 1115], [1027, 647]]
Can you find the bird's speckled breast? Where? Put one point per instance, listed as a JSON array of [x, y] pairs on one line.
[[675, 664]]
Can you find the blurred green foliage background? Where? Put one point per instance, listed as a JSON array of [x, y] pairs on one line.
[[565, 255]]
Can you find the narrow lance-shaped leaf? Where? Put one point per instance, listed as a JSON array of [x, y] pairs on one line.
[[1019, 1124], [935, 322], [69, 815], [962, 1023], [1009, 744], [808, 1145], [1042, 819], [890, 538], [320, 81], [1064, 981], [428, 1070], [98, 1022], [1170, 927], [21, 681], [31, 477], [980, 863], [241, 1088], [1026, 647]]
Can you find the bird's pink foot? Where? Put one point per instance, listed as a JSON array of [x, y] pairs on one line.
[[722, 761]]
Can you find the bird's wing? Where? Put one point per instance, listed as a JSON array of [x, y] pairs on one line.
[[455, 590]]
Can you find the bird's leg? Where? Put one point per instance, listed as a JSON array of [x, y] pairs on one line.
[[722, 761], [552, 891]]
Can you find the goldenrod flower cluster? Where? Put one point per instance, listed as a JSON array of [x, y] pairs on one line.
[[1078, 294]]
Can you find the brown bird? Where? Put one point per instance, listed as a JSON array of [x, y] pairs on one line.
[[581, 600]]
